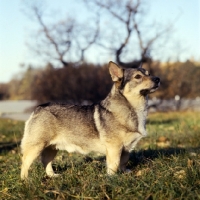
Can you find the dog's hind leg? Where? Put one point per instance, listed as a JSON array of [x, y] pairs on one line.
[[30, 153], [48, 154]]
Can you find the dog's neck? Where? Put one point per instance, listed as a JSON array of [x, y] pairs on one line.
[[139, 104], [136, 105]]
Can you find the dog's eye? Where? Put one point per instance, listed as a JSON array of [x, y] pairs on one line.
[[138, 76]]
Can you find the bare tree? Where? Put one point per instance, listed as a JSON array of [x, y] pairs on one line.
[[53, 35], [64, 38], [129, 16], [90, 37], [119, 27]]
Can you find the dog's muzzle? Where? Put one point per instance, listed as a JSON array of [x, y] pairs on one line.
[[156, 80]]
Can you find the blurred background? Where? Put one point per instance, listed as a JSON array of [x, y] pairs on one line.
[[59, 50]]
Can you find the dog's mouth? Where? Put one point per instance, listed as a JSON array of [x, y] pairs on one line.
[[145, 92], [156, 81], [156, 86]]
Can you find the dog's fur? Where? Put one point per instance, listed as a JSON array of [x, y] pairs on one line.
[[112, 127]]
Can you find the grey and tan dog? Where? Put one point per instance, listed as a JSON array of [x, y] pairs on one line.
[[112, 127]]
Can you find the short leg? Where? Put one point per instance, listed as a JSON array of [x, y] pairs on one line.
[[124, 160], [113, 155], [48, 154], [29, 155]]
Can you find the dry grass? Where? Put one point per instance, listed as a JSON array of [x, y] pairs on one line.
[[165, 165]]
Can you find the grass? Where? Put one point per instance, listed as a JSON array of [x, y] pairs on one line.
[[165, 165]]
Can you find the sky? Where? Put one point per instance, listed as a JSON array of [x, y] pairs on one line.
[[16, 29]]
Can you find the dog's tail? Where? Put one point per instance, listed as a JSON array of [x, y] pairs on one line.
[[26, 131]]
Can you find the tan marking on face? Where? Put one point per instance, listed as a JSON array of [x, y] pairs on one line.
[[147, 73], [133, 88]]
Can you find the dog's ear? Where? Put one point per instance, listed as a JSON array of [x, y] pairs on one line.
[[140, 66], [115, 71]]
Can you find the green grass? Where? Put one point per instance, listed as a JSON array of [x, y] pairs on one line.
[[165, 165]]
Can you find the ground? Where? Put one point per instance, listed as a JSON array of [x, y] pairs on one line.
[[165, 165]]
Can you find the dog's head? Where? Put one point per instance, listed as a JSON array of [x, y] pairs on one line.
[[133, 81]]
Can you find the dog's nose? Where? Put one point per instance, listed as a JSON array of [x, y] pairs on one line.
[[156, 80]]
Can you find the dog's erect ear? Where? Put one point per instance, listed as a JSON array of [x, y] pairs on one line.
[[115, 71], [140, 66]]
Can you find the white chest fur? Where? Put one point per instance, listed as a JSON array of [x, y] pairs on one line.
[[142, 114], [140, 107]]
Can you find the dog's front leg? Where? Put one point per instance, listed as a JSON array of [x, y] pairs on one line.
[[113, 154]]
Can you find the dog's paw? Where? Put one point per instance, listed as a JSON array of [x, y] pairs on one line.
[[127, 171], [53, 175], [56, 175]]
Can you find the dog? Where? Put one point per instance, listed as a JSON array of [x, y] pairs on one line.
[[112, 127]]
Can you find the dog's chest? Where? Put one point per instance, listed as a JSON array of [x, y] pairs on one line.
[[133, 137], [140, 113], [139, 110], [141, 117]]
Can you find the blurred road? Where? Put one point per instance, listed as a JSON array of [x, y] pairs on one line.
[[18, 110]]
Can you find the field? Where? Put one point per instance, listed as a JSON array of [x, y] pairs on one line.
[[165, 165]]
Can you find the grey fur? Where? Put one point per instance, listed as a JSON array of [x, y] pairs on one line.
[[112, 127]]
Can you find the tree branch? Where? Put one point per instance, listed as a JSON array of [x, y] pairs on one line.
[[50, 38], [91, 42]]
